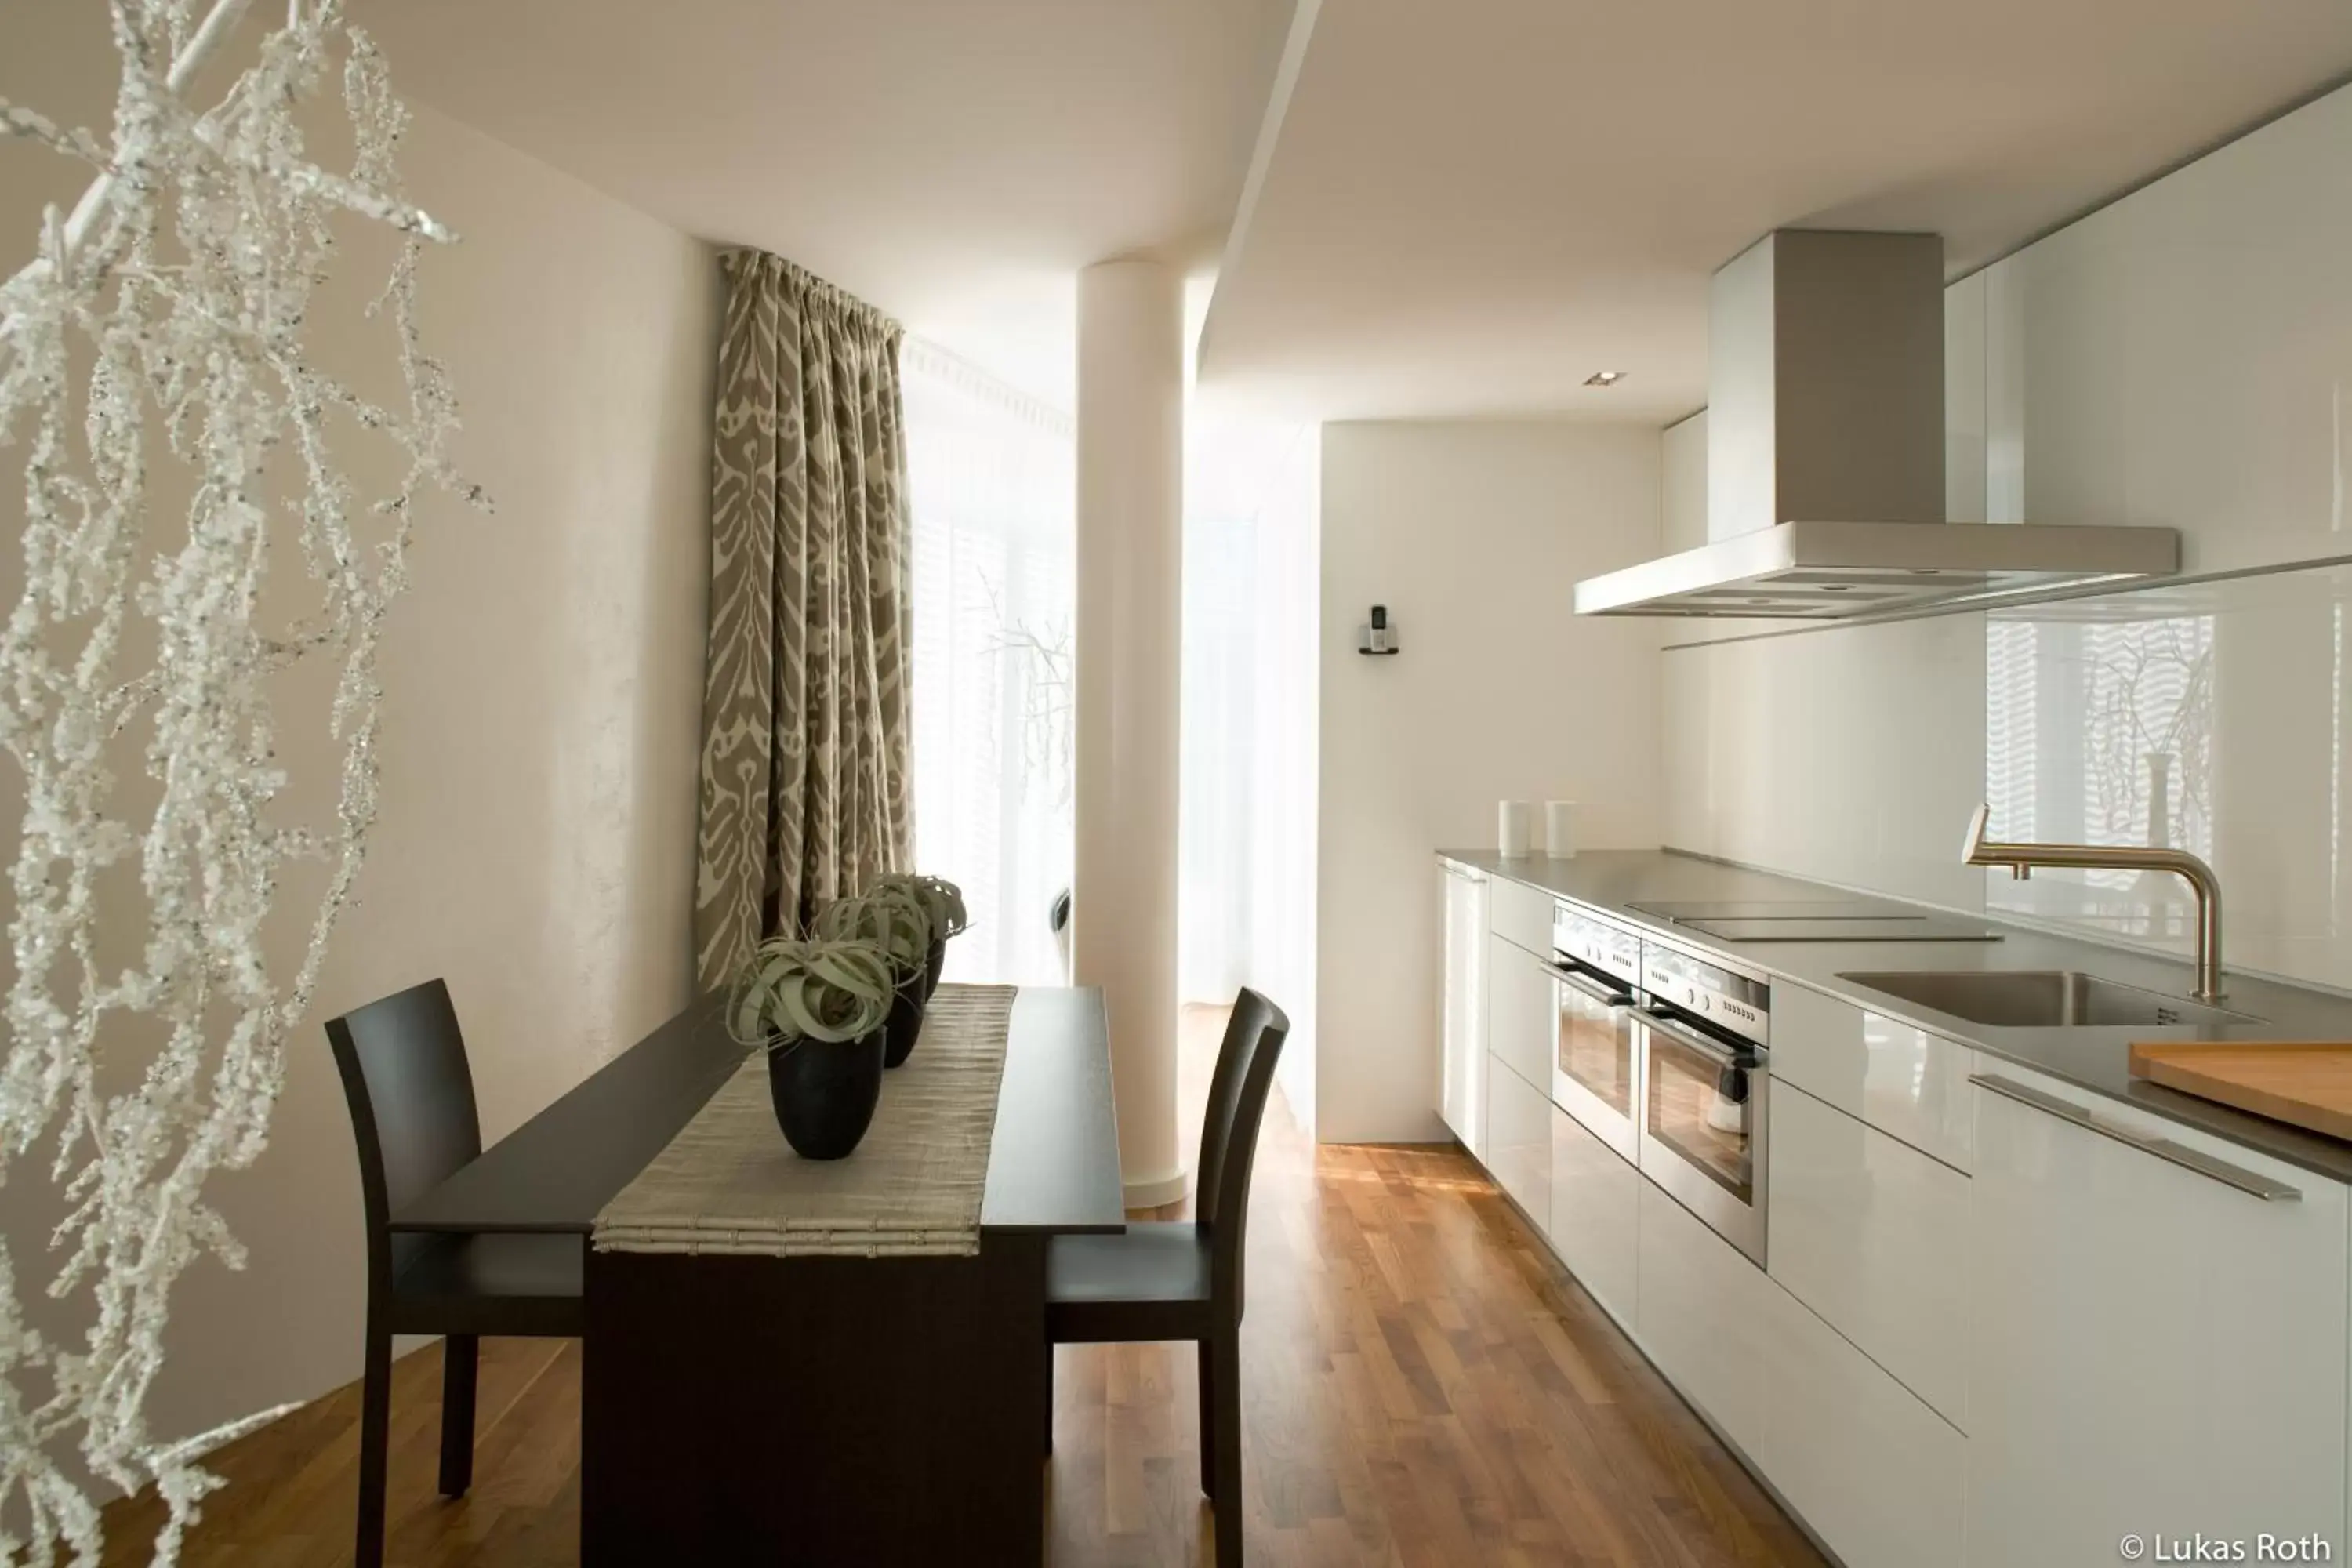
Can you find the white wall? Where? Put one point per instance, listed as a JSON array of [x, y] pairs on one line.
[[1471, 534], [1682, 485], [542, 690], [2179, 358]]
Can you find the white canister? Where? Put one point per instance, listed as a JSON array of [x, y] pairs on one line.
[[1515, 827], [1560, 829]]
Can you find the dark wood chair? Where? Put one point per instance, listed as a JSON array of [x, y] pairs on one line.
[[412, 1099], [1182, 1280]]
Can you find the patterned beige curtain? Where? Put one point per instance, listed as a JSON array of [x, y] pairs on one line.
[[804, 767]]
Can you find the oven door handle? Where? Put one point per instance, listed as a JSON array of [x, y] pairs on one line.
[[1591, 989], [1747, 1057]]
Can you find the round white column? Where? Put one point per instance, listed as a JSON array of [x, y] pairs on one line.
[[1130, 517]]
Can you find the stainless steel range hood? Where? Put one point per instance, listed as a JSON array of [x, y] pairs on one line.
[[1825, 455]]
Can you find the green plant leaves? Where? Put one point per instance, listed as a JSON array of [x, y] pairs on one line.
[[891, 916], [941, 899], [837, 984], [827, 989]]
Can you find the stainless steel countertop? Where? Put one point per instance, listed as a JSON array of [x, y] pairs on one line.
[[1610, 881]]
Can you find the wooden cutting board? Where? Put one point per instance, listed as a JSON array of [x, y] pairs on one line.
[[2305, 1082]]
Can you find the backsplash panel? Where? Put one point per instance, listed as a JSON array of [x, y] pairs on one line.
[[2209, 716], [1849, 754]]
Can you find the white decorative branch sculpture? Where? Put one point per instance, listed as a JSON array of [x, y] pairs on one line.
[[164, 326]]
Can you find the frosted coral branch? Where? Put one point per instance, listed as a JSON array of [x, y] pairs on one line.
[[184, 280]]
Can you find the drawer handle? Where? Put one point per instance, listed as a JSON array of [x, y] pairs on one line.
[[2165, 1149]]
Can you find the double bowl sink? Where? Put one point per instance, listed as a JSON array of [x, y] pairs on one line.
[[2043, 999]]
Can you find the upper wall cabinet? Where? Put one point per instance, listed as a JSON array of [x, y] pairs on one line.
[[2178, 358]]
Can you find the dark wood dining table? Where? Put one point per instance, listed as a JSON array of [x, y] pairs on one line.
[[811, 1410]]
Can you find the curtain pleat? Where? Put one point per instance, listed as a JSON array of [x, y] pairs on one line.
[[805, 788]]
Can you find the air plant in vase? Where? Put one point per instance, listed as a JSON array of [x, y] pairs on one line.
[[943, 901], [818, 1008], [895, 922]]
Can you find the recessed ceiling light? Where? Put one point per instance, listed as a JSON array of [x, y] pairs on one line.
[[1604, 378]]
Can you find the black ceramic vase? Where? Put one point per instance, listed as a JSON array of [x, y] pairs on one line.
[[824, 1093], [905, 1023], [933, 965]]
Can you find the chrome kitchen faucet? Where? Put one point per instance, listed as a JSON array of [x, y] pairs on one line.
[[2021, 860]]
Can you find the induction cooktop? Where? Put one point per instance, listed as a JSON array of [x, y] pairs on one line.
[[1818, 920]]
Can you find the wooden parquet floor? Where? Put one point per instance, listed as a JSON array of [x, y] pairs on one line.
[[1423, 1387]]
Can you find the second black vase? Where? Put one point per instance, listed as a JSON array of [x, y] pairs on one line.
[[933, 965], [824, 1093], [905, 1023]]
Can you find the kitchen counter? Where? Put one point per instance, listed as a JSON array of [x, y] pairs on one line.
[[1610, 881]]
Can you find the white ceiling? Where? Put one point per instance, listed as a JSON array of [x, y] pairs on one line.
[[1470, 206], [955, 162], [1457, 206]]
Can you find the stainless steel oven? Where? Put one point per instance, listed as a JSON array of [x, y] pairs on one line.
[[1596, 1061], [1706, 1081]]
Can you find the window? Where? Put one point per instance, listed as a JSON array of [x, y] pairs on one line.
[[991, 486]]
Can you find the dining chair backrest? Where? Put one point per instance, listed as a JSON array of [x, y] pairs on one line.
[[410, 1094], [1229, 1128]]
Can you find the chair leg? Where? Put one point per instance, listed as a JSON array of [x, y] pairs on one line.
[[1207, 1357], [375, 1434], [1225, 1497], [460, 1359], [1049, 1399]]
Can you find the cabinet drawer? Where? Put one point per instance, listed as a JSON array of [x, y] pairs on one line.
[[1521, 1018], [1700, 1306], [1873, 1471], [1595, 1204], [1519, 1140], [1906, 1082], [2152, 1347], [1872, 1235], [1520, 914]]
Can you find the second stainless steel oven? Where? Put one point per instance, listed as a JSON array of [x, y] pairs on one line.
[[1707, 1077], [1596, 1063]]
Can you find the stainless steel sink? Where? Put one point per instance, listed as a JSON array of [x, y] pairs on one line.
[[2043, 998]]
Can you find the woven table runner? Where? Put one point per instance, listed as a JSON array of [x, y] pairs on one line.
[[729, 1184]]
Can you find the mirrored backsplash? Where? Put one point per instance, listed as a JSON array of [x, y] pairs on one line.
[[2210, 717]]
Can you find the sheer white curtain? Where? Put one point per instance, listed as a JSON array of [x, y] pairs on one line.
[[992, 480], [992, 477], [1246, 867]]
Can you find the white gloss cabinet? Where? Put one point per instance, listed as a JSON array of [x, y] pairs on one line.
[[1905, 1082], [2152, 1350], [1519, 1140], [1701, 1308], [1522, 1010], [1872, 1235], [1521, 915], [1462, 990], [1595, 1204], [1875, 1473]]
